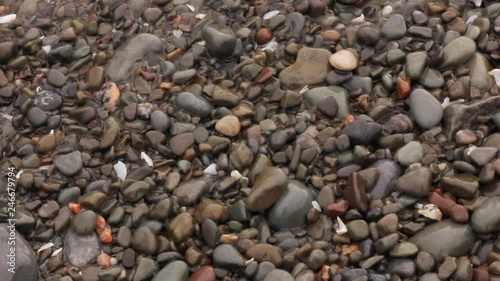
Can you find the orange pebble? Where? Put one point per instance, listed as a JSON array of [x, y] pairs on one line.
[[101, 223], [348, 119], [403, 88], [105, 235], [74, 207], [166, 86], [104, 260]]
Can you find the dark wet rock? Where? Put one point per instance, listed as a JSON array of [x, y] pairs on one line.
[[25, 264], [362, 132], [389, 172], [282, 217], [81, 250]]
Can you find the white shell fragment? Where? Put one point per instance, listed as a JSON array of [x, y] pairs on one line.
[[19, 173], [447, 102], [359, 19], [45, 247], [431, 211], [177, 33], [471, 19], [477, 3], [200, 16], [7, 116], [146, 158], [471, 148], [271, 14], [56, 252], [496, 74], [387, 10], [211, 169], [191, 7], [47, 48], [8, 18], [316, 205], [121, 170], [235, 174], [340, 227], [303, 90], [271, 45]]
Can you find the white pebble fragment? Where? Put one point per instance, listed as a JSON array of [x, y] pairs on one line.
[[47, 48], [496, 74], [211, 169], [8, 18], [359, 19], [146, 158], [271, 14], [431, 211], [387, 11], [235, 174], [121, 170], [46, 246], [200, 16], [340, 227], [477, 3], [56, 252], [316, 205], [191, 7], [471, 19]]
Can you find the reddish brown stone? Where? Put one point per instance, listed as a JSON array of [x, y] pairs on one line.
[[480, 275], [336, 209], [449, 208], [95, 78], [316, 8], [263, 35], [403, 88], [355, 192], [204, 273], [264, 75]]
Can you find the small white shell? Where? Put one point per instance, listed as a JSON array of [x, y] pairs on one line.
[[203, 43], [316, 205], [211, 169], [56, 252], [146, 158], [45, 167], [477, 3], [471, 19], [46, 246], [200, 16], [271, 14], [249, 261], [340, 227], [7, 116], [235, 174], [471, 148], [271, 45], [177, 33], [359, 19], [121, 170], [19, 173], [47, 48], [8, 18], [303, 90], [191, 7], [496, 74]]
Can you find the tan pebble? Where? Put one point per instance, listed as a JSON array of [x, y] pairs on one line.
[[228, 238], [104, 260], [228, 125], [344, 60]]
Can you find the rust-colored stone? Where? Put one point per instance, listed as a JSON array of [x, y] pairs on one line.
[[449, 208], [263, 36], [403, 88], [204, 273]]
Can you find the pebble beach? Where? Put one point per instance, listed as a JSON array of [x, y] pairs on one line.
[[249, 140]]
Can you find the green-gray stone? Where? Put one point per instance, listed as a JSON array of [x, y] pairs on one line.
[[486, 218], [174, 271], [316, 95]]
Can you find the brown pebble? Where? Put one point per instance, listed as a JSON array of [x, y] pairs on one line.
[[449, 208], [336, 209], [128, 260], [403, 88], [263, 36], [204, 273]]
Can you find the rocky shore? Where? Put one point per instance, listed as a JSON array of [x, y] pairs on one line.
[[303, 140]]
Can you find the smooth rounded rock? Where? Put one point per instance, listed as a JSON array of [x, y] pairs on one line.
[[486, 218], [426, 109]]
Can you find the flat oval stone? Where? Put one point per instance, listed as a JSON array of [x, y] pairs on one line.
[[267, 189], [193, 104], [426, 109], [445, 238], [47, 100], [458, 52]]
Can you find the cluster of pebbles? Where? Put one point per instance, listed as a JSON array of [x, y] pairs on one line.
[[306, 140]]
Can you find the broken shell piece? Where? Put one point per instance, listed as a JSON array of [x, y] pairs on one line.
[[471, 148], [177, 33], [200, 16], [56, 252], [19, 173], [249, 261], [8, 18], [211, 169], [191, 7], [45, 247], [496, 74], [109, 95], [235, 174], [477, 3], [303, 90], [271, 14], [316, 205], [340, 227], [471, 19], [146, 158], [121, 170], [271, 45], [431, 211], [359, 19], [7, 116], [47, 48]]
